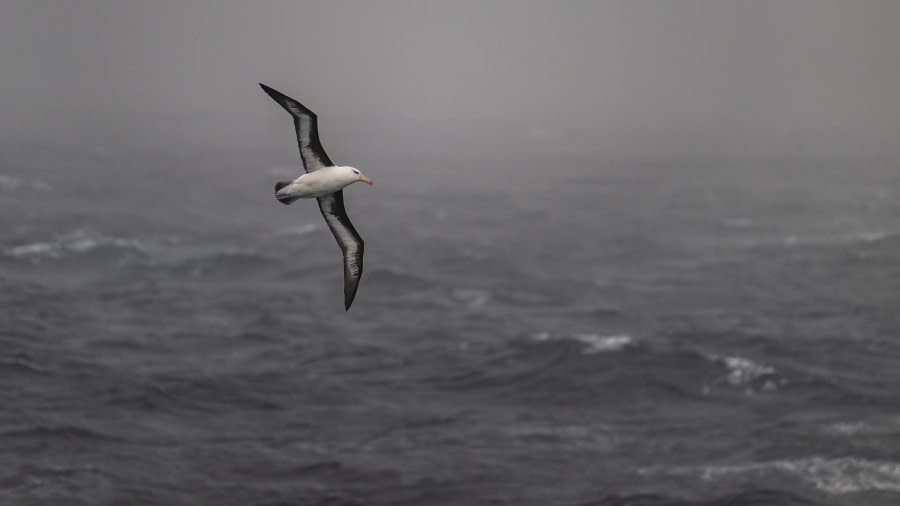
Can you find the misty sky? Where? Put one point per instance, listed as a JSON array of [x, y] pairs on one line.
[[685, 78]]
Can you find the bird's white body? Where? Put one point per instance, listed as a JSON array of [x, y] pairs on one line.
[[320, 183]]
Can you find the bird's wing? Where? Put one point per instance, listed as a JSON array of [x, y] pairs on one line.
[[348, 239], [312, 154]]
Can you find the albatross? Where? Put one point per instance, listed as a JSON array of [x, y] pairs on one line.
[[323, 181]]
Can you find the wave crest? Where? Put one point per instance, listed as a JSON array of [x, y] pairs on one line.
[[593, 343], [843, 475], [79, 242]]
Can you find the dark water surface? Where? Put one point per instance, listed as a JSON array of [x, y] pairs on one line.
[[613, 335]]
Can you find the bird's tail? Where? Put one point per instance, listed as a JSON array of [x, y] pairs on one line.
[[284, 199]]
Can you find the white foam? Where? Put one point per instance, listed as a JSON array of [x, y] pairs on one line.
[[597, 343], [869, 236], [864, 236], [78, 242], [34, 249], [877, 426], [473, 297], [849, 428], [842, 475], [541, 336], [596, 437], [594, 343], [743, 372], [803, 240], [22, 362]]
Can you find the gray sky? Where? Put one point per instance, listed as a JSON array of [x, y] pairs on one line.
[[685, 78]]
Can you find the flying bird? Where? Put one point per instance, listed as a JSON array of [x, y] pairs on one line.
[[323, 181]]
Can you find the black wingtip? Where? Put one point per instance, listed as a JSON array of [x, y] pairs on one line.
[[289, 104], [269, 91], [272, 92], [348, 300]]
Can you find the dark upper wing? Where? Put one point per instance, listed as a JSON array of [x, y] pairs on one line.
[[348, 239], [311, 152]]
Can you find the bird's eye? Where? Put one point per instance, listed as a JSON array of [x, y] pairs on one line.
[[355, 171]]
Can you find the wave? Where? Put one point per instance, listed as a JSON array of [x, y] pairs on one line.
[[870, 236], [579, 436], [842, 475], [44, 432], [758, 497], [469, 264], [472, 297], [575, 367], [875, 427], [865, 236], [77, 243], [594, 343], [20, 363], [230, 261], [393, 280], [743, 372], [798, 241]]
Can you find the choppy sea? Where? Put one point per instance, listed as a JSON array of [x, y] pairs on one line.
[[595, 334]]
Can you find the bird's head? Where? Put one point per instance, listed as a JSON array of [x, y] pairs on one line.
[[355, 175]]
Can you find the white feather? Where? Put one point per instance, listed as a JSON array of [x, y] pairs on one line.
[[322, 182]]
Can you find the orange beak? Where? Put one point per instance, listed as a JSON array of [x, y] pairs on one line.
[[366, 180]]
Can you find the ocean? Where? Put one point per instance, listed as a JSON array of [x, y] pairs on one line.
[[595, 333]]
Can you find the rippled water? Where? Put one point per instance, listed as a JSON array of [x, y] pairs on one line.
[[611, 335]]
